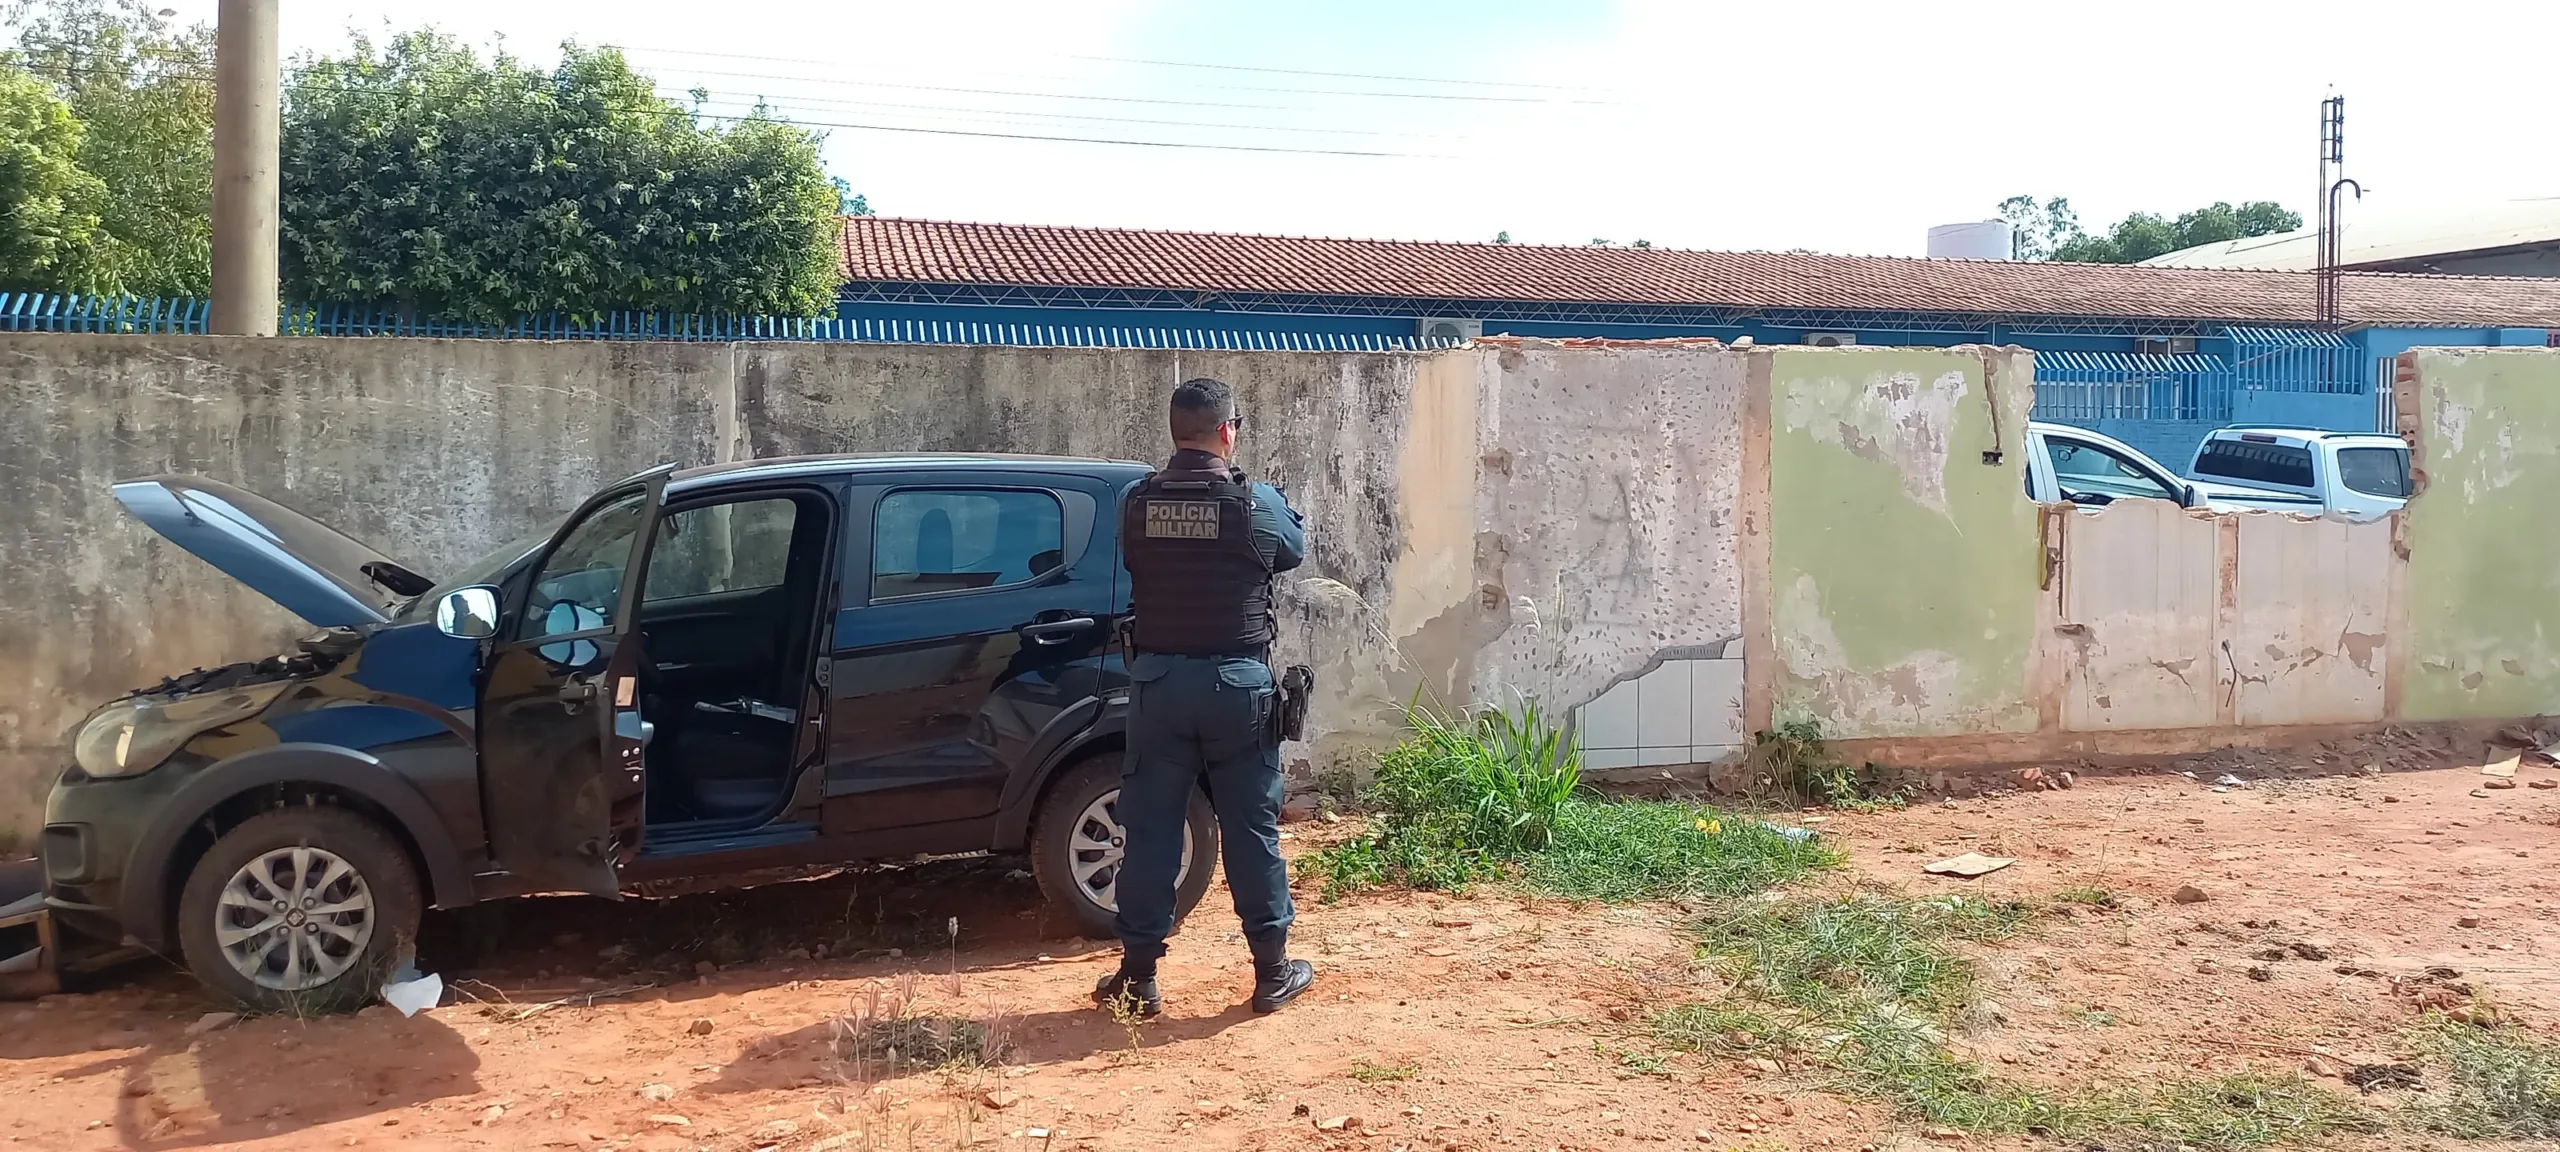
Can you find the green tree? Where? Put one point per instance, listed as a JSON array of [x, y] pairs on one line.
[[850, 202], [2051, 231], [419, 176], [142, 88], [50, 238], [2038, 229]]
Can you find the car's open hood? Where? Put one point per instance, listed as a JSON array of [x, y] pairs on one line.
[[312, 570]]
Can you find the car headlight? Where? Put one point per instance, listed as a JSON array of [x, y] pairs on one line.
[[133, 736]]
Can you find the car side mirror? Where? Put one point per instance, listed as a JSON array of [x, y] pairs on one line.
[[468, 613]]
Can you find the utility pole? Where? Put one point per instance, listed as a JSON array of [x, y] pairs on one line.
[[247, 121], [2333, 158]]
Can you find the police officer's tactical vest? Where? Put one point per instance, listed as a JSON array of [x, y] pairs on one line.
[[1199, 585]]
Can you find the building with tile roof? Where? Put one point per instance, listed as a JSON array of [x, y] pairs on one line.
[[2154, 354], [2508, 238]]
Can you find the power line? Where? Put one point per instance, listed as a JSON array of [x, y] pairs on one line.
[[1225, 87], [742, 97], [909, 129], [1339, 75]]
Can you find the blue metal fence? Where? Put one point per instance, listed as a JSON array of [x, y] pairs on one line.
[[33, 312], [2085, 387], [2295, 360]]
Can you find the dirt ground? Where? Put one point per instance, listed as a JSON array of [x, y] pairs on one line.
[[1483, 1022]]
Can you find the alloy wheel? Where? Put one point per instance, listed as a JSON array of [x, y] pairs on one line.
[[294, 918], [1099, 844]]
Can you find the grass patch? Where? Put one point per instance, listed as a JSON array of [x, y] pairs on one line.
[[2089, 896], [1860, 951], [2502, 1083], [1368, 1073], [1500, 796], [1863, 987], [1727, 1029], [1635, 849]]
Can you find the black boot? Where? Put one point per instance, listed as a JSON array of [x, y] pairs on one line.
[[1129, 991], [1277, 979]]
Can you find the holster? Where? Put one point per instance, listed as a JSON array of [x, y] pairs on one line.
[[1288, 719]]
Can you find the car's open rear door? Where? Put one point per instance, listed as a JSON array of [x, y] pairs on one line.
[[561, 734]]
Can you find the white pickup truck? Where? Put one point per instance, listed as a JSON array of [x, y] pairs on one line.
[[2355, 475]]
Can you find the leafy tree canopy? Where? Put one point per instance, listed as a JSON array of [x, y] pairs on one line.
[[141, 90], [420, 176], [2051, 230], [49, 206]]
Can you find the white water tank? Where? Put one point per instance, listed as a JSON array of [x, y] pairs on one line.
[[1976, 240]]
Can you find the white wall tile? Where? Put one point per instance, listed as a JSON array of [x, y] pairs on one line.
[[1664, 757], [1715, 702], [1610, 721], [1662, 706], [1600, 759]]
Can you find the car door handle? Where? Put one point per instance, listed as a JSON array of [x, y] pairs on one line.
[[1057, 631]]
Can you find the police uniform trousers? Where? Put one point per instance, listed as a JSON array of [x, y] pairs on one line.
[[1192, 717]]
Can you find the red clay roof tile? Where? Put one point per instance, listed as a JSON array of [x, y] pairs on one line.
[[937, 252]]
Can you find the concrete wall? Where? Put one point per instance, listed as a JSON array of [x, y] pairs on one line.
[[1607, 569], [435, 451], [1329, 428], [1902, 587], [1679, 543], [2484, 556], [2168, 619]]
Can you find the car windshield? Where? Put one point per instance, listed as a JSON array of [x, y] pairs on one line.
[[484, 570]]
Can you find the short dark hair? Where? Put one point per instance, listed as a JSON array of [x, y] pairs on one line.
[[1200, 405]]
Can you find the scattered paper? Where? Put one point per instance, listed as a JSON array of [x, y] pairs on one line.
[[2505, 768], [411, 997], [1969, 865], [2227, 780]]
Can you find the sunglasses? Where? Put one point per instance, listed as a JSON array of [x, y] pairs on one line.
[[1236, 422]]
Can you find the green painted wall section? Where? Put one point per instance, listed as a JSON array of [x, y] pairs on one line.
[[2484, 541], [1902, 588]]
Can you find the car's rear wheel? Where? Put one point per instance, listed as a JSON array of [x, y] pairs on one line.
[[301, 910], [1078, 843]]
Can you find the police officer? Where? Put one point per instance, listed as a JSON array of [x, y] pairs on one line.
[[1202, 545]]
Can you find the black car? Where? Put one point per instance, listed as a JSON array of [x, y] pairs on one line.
[[698, 679]]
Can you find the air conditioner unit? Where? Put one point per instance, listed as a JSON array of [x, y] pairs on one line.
[[1831, 339], [2165, 346], [1447, 328]]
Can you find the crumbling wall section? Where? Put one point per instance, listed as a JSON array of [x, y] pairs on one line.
[[2483, 598], [1606, 536], [1902, 592]]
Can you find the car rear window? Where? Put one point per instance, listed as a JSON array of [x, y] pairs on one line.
[[2252, 463], [2375, 471]]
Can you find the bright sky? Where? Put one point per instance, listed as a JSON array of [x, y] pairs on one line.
[[1842, 127]]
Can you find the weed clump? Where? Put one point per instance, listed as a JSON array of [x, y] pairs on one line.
[[2503, 1084], [1499, 795], [1795, 763]]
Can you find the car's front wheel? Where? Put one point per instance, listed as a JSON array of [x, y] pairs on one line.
[[1078, 844], [301, 910]]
